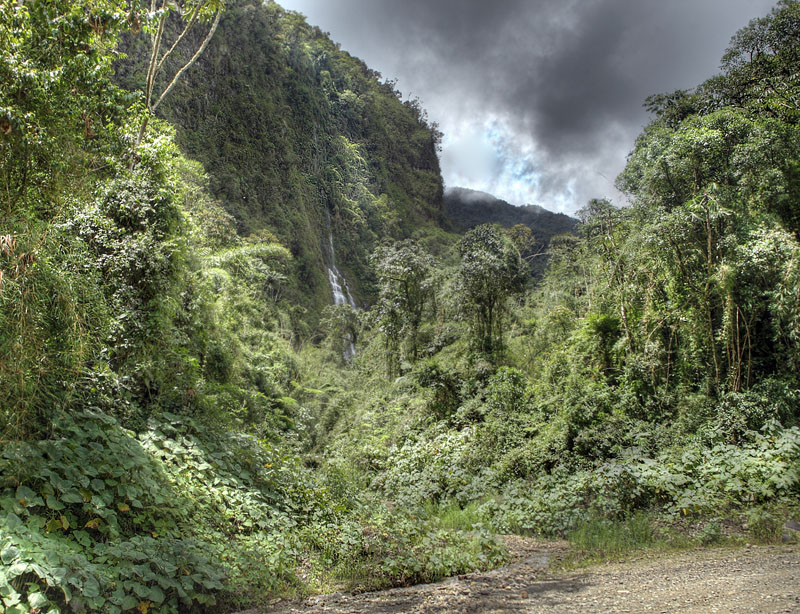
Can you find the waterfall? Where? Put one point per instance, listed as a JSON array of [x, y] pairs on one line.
[[339, 287], [341, 292]]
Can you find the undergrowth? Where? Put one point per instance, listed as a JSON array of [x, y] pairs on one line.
[[179, 515], [599, 539]]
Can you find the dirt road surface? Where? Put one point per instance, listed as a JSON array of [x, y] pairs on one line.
[[763, 579]]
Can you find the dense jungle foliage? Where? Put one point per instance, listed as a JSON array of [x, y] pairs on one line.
[[180, 428]]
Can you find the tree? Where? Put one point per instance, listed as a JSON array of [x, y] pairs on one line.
[[60, 125], [404, 275], [491, 271], [59, 110], [715, 180]]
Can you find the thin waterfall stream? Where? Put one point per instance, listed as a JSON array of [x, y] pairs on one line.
[[339, 287]]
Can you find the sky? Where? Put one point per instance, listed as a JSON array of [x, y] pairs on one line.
[[540, 101]]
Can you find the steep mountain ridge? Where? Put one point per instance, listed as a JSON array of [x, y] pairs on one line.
[[294, 132], [467, 208]]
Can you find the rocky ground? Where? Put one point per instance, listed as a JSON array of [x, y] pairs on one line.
[[752, 579]]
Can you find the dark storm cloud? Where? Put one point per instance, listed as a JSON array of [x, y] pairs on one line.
[[549, 90]]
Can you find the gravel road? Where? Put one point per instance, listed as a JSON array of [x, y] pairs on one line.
[[729, 581]]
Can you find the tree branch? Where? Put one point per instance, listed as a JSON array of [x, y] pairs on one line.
[[151, 69], [188, 27], [190, 62]]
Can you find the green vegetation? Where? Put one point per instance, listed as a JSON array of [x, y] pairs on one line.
[[406, 291], [296, 136], [600, 539], [491, 271], [650, 373], [181, 429], [150, 408], [465, 209]]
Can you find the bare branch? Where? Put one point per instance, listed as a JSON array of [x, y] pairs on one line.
[[151, 72], [190, 62], [178, 40]]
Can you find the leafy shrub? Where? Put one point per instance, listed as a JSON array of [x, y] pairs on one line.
[[431, 468], [100, 518], [693, 479], [385, 548], [554, 504], [445, 386], [91, 520], [741, 414], [699, 479]]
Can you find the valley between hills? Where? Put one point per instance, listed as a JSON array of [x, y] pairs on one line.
[[253, 352]]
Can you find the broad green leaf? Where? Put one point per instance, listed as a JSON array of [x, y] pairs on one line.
[[36, 523], [117, 596], [8, 554], [91, 587], [53, 503], [97, 603], [27, 497], [141, 590], [72, 496], [13, 521], [54, 524], [17, 569], [39, 570], [156, 595], [37, 600], [11, 598]]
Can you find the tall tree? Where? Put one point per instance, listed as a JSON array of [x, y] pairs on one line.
[[491, 271], [715, 180], [406, 290]]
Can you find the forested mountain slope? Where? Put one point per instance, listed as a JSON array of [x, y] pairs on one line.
[[295, 132], [466, 209]]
